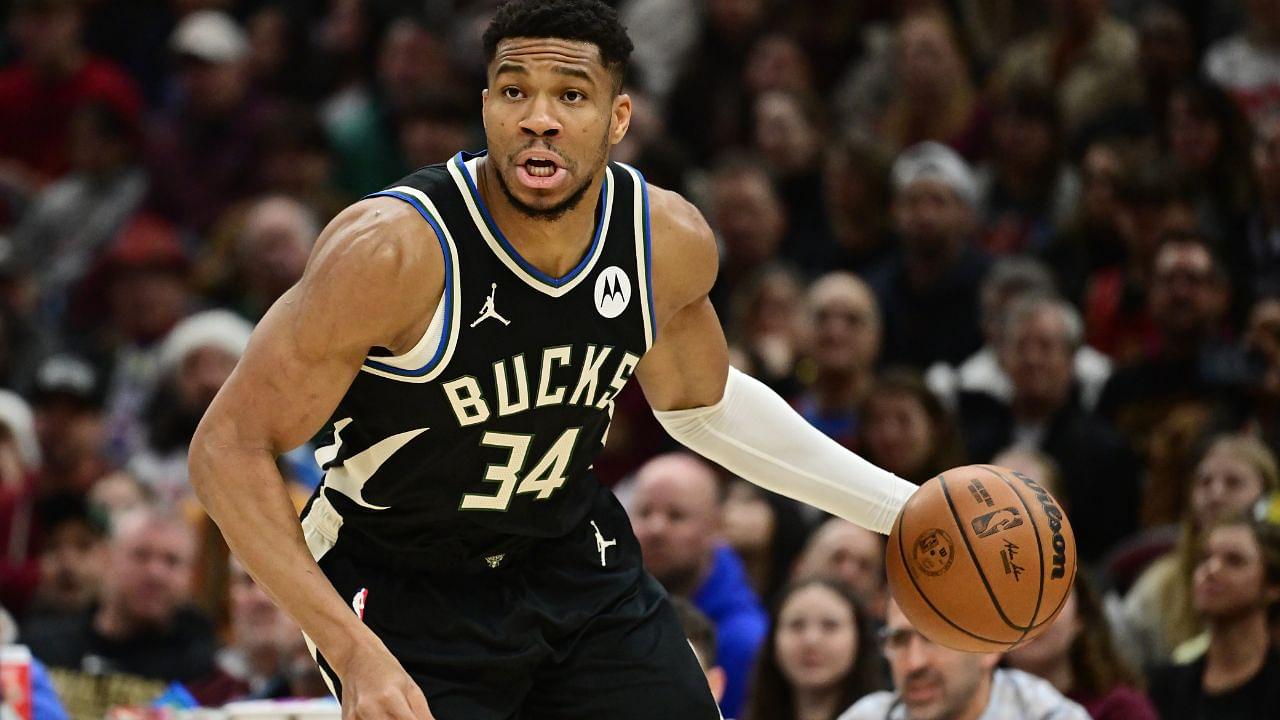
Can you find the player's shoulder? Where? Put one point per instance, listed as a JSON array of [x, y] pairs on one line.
[[685, 255], [377, 239]]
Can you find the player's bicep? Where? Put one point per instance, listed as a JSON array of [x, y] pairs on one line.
[[285, 386], [689, 363]]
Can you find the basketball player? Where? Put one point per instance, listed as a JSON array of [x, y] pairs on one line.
[[459, 560]]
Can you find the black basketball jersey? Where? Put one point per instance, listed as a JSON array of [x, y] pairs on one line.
[[484, 433]]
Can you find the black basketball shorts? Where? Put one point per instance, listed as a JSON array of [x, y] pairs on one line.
[[553, 634]]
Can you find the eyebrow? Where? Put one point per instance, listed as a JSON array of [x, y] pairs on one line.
[[506, 66]]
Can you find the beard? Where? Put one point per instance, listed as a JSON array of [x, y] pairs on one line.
[[545, 214]]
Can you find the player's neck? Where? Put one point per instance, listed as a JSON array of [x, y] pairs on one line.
[[553, 246]]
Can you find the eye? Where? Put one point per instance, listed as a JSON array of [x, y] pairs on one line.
[[512, 93], [573, 96]]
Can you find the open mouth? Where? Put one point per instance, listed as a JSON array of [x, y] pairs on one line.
[[540, 168]]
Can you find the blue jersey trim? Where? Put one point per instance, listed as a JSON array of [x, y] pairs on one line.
[[648, 255], [448, 291], [461, 159]]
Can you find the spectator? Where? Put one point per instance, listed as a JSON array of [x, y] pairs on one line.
[[142, 626], [272, 251], [843, 347], [1209, 141], [72, 219], [1233, 473], [766, 530], [71, 558], [906, 429], [413, 62], [1026, 191], [1100, 487], [1261, 342], [934, 283], [750, 222], [1261, 248], [1194, 365], [1009, 280], [135, 294], [1087, 56], [708, 104], [67, 403], [676, 511], [53, 78], [201, 152], [765, 330], [788, 135], [820, 657], [195, 359], [1236, 588], [1077, 654], [1151, 206], [856, 187], [20, 532], [1166, 54], [254, 663], [702, 637], [1091, 238], [1248, 64], [849, 554], [933, 94], [936, 683]]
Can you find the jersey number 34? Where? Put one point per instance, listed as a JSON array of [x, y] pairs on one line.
[[542, 479]]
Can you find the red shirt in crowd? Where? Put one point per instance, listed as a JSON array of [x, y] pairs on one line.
[[35, 112]]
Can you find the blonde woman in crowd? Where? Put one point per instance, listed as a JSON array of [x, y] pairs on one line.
[[1233, 473]]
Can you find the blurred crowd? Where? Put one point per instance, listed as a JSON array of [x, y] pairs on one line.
[[1040, 233]]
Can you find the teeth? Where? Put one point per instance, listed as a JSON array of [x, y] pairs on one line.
[[540, 170]]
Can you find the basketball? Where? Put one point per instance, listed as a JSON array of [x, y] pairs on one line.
[[981, 558]]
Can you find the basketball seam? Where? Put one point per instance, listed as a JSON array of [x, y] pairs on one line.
[[982, 574], [1039, 550], [906, 566]]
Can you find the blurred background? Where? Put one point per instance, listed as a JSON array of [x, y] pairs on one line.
[[1040, 232]]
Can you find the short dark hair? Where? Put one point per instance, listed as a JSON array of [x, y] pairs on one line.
[[585, 20]]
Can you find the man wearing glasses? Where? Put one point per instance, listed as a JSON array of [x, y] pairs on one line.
[[937, 683]]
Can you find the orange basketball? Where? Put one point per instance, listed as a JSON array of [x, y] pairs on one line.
[[981, 558]]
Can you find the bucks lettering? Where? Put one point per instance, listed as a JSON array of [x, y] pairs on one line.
[[589, 376]]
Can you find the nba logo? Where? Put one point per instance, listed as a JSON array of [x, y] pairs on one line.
[[357, 602]]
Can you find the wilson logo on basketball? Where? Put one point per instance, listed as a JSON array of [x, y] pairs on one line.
[[994, 522], [934, 552], [1054, 514]]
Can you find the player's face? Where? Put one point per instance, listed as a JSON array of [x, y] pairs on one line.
[[550, 116], [817, 638], [1223, 486], [1229, 578], [934, 682]]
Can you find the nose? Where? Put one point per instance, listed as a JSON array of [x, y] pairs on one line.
[[914, 656], [540, 121]]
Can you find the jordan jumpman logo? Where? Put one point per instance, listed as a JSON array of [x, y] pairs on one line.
[[487, 311]]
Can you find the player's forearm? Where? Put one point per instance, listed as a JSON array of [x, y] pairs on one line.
[[755, 434], [244, 493]]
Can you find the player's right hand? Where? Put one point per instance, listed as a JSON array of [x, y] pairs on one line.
[[376, 687]]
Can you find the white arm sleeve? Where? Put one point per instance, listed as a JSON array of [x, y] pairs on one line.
[[756, 435]]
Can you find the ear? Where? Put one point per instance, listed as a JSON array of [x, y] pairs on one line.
[[621, 118]]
